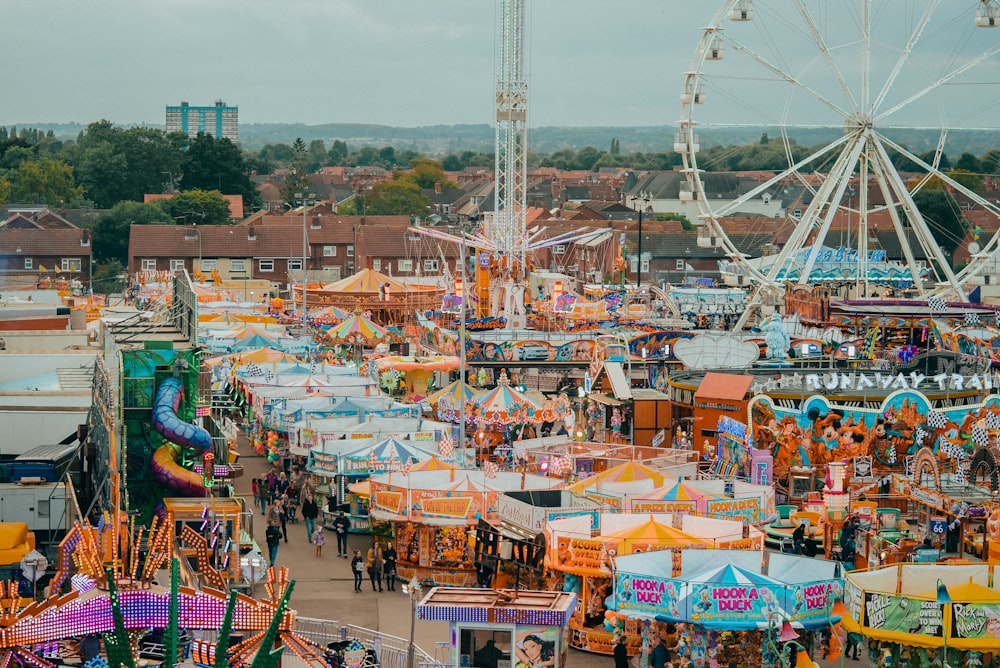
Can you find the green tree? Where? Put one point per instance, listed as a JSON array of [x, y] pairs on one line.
[[685, 222], [944, 218], [969, 163], [337, 155], [46, 181], [217, 164], [196, 207], [111, 229], [5, 186], [425, 173], [295, 188], [397, 197], [967, 178], [115, 164], [109, 277]]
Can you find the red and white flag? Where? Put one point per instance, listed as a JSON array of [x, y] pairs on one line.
[[446, 446], [372, 461], [490, 469], [406, 468]]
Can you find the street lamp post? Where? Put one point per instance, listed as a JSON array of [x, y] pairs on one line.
[[644, 198], [414, 591], [305, 254], [461, 351]]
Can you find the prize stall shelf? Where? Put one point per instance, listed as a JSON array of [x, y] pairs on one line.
[[502, 627]]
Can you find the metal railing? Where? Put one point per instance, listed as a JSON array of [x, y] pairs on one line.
[[391, 650]]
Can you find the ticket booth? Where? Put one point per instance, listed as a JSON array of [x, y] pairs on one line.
[[503, 628]]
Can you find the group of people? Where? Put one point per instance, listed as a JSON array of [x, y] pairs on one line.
[[379, 563], [285, 495]]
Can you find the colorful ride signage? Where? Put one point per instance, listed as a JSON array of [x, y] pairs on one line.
[[903, 614]]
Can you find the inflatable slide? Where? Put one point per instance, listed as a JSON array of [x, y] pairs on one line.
[[166, 465]]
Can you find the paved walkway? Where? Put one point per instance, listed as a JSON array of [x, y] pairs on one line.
[[324, 586]]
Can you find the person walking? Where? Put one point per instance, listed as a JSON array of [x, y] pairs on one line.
[[358, 568], [342, 525], [374, 564], [319, 540], [283, 503], [310, 511], [389, 566], [273, 537], [262, 494]]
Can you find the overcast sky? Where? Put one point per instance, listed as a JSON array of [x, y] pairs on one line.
[[393, 62]]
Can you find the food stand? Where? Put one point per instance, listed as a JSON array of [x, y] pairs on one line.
[[433, 511], [502, 627]]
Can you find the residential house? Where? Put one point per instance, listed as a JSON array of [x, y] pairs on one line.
[[669, 192], [269, 249], [37, 242], [389, 244]]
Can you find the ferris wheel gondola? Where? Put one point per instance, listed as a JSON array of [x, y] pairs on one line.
[[854, 80]]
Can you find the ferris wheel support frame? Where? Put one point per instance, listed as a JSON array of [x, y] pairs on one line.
[[864, 150]]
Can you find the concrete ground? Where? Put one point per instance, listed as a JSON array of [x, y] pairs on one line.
[[324, 586]]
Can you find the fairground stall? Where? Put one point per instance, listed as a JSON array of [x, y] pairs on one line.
[[582, 550], [339, 465], [502, 627], [727, 605], [919, 614], [433, 514]]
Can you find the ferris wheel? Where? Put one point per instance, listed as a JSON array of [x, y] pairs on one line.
[[841, 90]]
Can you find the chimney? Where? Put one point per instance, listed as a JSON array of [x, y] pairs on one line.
[[437, 187]]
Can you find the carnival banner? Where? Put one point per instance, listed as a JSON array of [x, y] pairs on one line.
[[711, 603], [745, 510], [903, 614], [447, 506], [811, 600], [655, 596], [975, 620], [390, 502]]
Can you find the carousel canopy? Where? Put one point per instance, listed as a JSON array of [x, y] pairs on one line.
[[505, 405], [367, 281], [359, 326], [452, 391]]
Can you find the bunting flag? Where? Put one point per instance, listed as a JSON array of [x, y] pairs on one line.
[[937, 419], [254, 370], [490, 469], [971, 318], [937, 305], [372, 460], [406, 468], [993, 420], [446, 446], [980, 436]]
